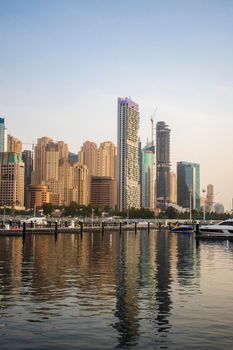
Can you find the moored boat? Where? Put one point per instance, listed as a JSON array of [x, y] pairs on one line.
[[182, 228], [224, 228]]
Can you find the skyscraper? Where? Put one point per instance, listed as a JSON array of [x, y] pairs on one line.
[[3, 136], [11, 180], [89, 157], [47, 158], [81, 183], [127, 150], [210, 198], [162, 164], [188, 183], [14, 144], [173, 187], [107, 156], [28, 166], [140, 169], [148, 176], [39, 164]]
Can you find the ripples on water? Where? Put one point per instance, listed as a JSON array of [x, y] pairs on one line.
[[154, 291]]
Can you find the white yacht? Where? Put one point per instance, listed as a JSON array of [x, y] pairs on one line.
[[224, 228], [39, 220]]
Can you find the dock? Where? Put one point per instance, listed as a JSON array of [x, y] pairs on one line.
[[79, 229]]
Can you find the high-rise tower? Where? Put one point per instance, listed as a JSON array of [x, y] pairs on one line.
[[188, 184], [28, 167], [88, 155], [11, 180], [148, 181], [3, 136], [210, 198], [162, 164], [127, 150]]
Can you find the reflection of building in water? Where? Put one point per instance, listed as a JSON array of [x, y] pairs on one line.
[[188, 262], [126, 276], [10, 263], [127, 308], [163, 279], [143, 287], [54, 265]]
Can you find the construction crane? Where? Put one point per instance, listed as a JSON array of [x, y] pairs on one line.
[[152, 126]]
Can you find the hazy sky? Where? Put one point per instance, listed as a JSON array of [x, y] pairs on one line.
[[64, 63]]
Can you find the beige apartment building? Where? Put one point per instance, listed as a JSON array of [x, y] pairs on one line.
[[47, 158], [38, 195], [88, 155], [81, 183], [39, 164], [11, 180], [210, 198], [14, 145], [68, 181], [173, 187], [107, 159]]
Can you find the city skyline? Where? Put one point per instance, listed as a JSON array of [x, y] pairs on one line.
[[55, 77]]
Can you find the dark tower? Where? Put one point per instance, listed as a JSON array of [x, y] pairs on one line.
[[28, 167], [162, 164]]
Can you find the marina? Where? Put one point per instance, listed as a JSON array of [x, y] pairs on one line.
[[156, 290]]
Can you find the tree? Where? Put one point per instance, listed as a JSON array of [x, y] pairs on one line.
[[171, 213], [47, 208]]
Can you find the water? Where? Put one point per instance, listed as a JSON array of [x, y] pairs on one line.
[[143, 291]]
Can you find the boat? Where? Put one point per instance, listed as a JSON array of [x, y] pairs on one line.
[[39, 220], [182, 228], [222, 229]]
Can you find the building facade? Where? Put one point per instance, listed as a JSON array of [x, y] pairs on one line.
[[14, 144], [188, 184], [219, 208], [163, 164], [103, 191], [48, 155], [11, 180], [38, 195], [28, 167], [3, 135], [107, 159], [173, 188], [39, 164], [148, 176], [88, 155], [81, 187], [127, 149], [210, 198]]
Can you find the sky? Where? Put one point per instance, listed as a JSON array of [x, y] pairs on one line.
[[63, 63]]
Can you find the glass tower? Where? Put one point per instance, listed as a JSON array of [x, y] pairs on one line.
[[188, 183], [148, 176]]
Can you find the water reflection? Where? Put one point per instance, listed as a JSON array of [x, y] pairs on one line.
[[126, 287]]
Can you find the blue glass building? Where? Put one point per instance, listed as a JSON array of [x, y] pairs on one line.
[[188, 179]]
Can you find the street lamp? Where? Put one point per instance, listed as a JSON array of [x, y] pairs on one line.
[[204, 191]]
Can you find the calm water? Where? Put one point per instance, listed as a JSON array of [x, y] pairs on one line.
[[144, 291]]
